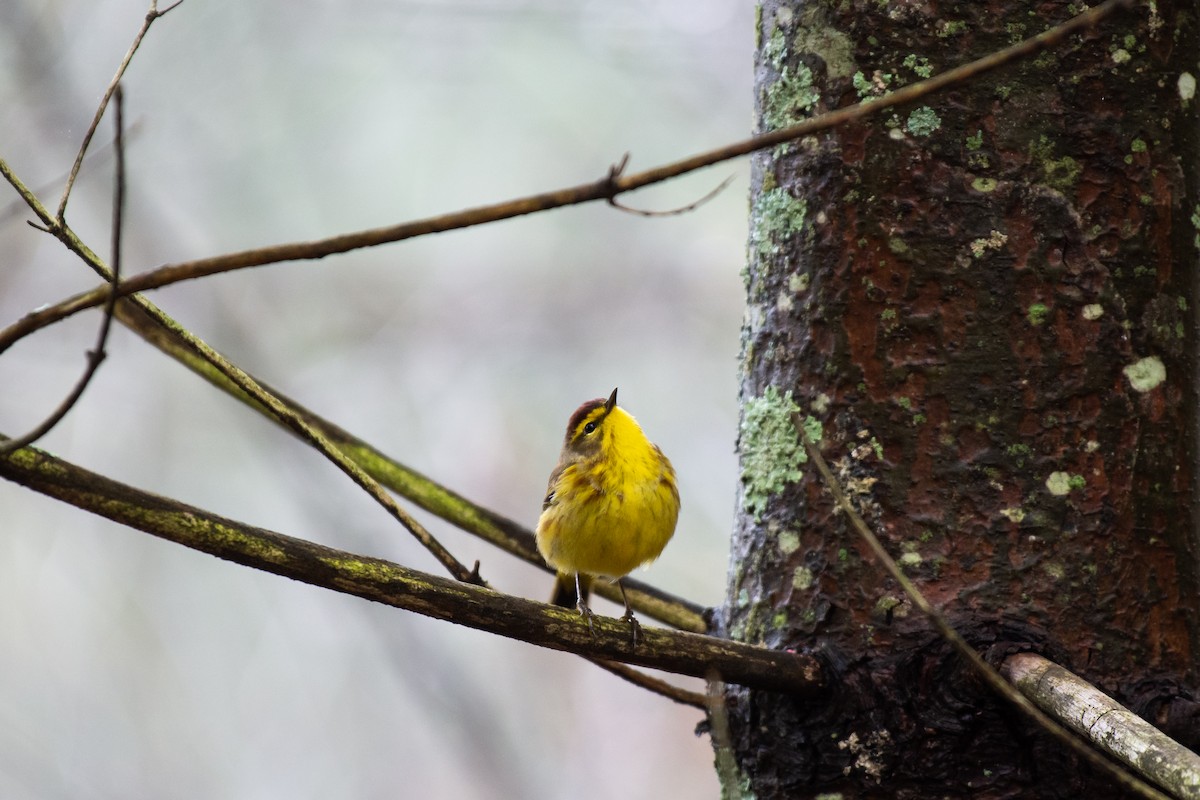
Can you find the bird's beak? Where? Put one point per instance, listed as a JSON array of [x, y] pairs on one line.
[[612, 401]]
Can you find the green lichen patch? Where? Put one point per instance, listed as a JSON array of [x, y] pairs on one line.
[[802, 578], [1146, 373], [923, 121], [948, 28], [1014, 514], [791, 98], [788, 542], [984, 185], [776, 214], [771, 451], [981, 247], [798, 282], [775, 49], [816, 35], [1187, 87], [1057, 173], [1062, 483], [1036, 314], [920, 65]]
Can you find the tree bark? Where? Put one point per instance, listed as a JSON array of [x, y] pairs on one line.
[[988, 302]]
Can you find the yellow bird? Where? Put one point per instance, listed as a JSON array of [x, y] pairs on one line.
[[610, 507]]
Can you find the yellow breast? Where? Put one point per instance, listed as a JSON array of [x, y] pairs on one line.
[[614, 511]]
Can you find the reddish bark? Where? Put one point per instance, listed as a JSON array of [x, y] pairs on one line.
[[974, 301]]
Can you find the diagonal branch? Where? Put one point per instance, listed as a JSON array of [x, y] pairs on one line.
[[430, 595], [607, 188], [1105, 723], [251, 387], [151, 15], [95, 356], [986, 672], [498, 530], [162, 331]]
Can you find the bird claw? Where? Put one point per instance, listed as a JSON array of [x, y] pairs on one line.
[[588, 615], [635, 627]]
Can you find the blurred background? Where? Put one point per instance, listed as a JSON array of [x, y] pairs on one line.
[[133, 667]]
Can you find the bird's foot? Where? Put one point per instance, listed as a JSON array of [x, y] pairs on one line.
[[587, 614], [635, 627]]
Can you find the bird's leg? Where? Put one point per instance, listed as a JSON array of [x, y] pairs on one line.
[[635, 627], [581, 604]]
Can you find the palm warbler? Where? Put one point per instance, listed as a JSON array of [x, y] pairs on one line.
[[611, 504]]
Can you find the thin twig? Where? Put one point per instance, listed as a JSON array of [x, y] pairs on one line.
[[247, 384], [430, 595], [95, 159], [985, 670], [95, 356], [671, 212], [652, 684], [610, 186], [151, 15]]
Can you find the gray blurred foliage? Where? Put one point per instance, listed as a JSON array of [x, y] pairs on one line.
[[132, 667]]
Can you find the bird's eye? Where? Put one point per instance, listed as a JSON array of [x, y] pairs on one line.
[[589, 428]]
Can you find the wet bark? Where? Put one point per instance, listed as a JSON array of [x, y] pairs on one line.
[[988, 301]]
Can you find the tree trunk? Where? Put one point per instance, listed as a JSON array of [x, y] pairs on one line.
[[988, 302]]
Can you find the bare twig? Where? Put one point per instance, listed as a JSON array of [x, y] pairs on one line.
[[985, 670], [96, 158], [1106, 723], [430, 595], [608, 187], [671, 212], [151, 15], [651, 684], [95, 356]]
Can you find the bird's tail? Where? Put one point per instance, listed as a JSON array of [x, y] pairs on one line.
[[564, 590]]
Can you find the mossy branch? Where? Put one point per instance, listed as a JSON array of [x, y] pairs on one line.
[[498, 530], [385, 582]]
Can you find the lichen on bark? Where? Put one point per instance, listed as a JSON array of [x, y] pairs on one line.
[[988, 301]]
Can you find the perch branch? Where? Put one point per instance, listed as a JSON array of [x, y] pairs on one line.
[[415, 487], [384, 582], [160, 330]]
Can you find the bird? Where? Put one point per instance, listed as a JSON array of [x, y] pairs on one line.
[[611, 505]]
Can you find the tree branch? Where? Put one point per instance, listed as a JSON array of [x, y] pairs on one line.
[[384, 582], [985, 670], [247, 384], [607, 188], [151, 15], [494, 528], [161, 330], [1105, 723], [95, 356]]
